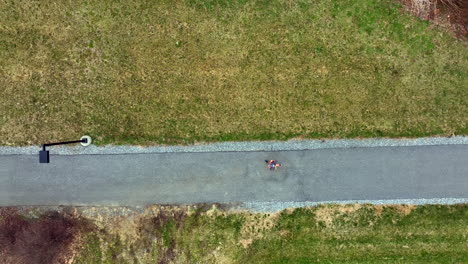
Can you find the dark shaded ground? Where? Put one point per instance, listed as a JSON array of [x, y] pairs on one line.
[[44, 240], [449, 14]]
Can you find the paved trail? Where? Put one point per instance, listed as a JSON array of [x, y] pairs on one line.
[[308, 175]]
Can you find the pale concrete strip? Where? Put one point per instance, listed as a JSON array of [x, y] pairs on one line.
[[241, 146]]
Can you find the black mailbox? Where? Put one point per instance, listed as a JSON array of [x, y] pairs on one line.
[[43, 156]]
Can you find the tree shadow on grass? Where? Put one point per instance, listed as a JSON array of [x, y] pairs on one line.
[[46, 239]]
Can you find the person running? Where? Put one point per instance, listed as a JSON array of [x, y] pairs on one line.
[[272, 164]]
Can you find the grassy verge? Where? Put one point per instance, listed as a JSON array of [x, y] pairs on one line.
[[429, 234], [322, 234], [214, 70]]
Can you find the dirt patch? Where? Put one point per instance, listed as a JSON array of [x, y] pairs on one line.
[[452, 15], [47, 239]]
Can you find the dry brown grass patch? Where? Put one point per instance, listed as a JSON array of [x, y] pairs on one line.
[[255, 226], [405, 209], [378, 210], [327, 213]]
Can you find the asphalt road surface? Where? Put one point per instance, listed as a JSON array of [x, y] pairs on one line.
[[166, 178]]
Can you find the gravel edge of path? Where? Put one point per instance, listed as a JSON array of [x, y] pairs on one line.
[[254, 207], [293, 144], [272, 207]]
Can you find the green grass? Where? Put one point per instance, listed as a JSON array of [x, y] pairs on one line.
[[430, 234], [91, 251], [176, 72], [322, 234]]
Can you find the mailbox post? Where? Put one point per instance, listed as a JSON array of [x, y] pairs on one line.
[[44, 154]]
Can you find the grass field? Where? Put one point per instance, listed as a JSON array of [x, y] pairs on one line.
[[322, 234], [177, 72]]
